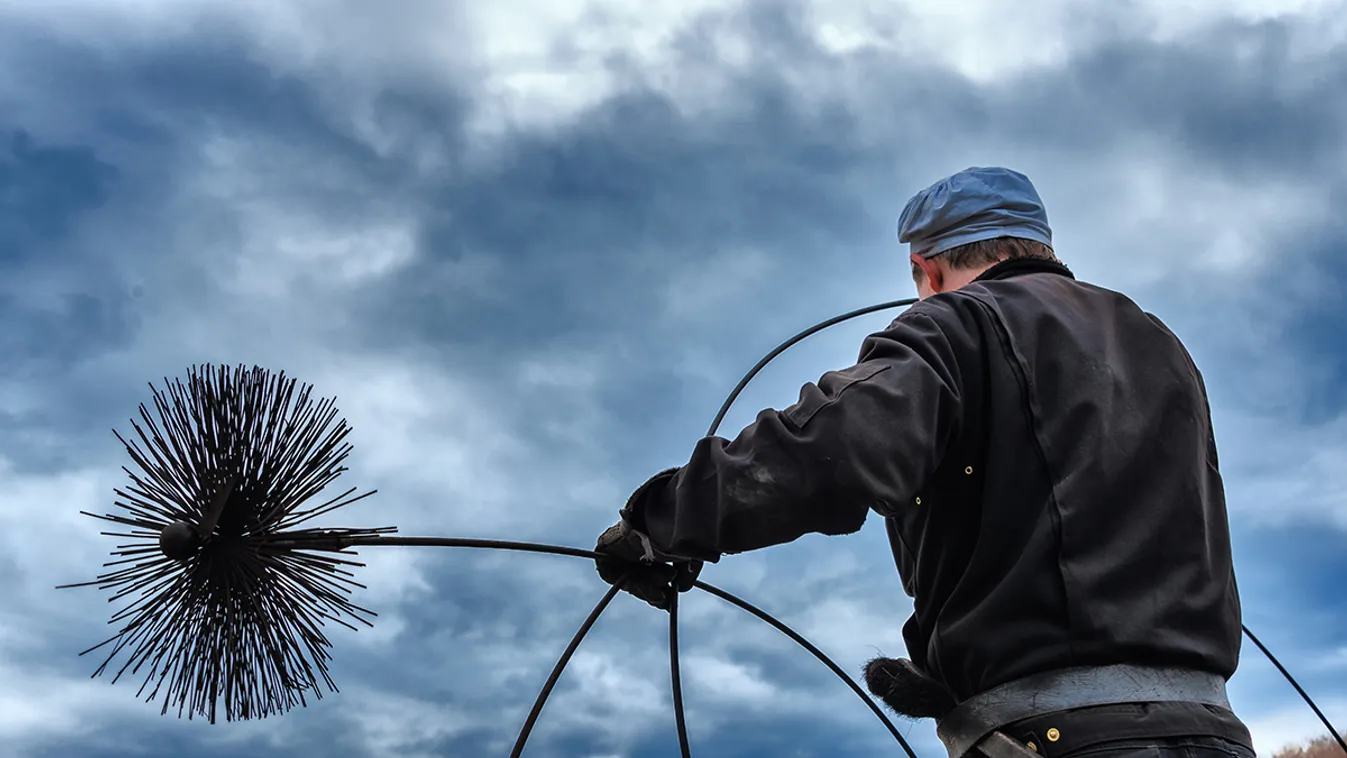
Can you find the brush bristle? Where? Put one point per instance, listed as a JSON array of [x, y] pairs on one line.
[[227, 597]]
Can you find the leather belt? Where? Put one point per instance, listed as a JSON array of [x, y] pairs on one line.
[[976, 718]]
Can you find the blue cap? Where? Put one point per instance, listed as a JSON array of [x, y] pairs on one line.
[[973, 205]]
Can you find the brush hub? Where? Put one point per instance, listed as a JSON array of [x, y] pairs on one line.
[[179, 540]]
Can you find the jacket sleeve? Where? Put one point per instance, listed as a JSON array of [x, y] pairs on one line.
[[865, 437]]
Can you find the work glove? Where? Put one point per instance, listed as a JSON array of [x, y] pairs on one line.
[[628, 554], [908, 690]]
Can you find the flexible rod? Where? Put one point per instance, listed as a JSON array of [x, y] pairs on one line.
[[532, 547], [561, 666], [1299, 689]]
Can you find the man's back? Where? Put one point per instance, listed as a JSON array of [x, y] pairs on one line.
[[1077, 516], [1042, 454]]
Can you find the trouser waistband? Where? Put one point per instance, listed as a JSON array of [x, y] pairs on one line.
[[1066, 689]]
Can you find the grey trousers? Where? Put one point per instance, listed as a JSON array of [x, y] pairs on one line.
[[1169, 747]]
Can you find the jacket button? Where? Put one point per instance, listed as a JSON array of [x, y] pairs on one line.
[[1033, 747], [1054, 735]]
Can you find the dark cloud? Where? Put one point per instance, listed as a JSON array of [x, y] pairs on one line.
[[80, 323], [99, 318], [1310, 564], [630, 194], [591, 219], [168, 737], [1314, 329], [44, 190], [1297, 573], [633, 191]]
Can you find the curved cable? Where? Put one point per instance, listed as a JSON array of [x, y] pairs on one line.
[[727, 597], [1299, 689], [561, 666], [784, 346], [676, 679], [533, 547]]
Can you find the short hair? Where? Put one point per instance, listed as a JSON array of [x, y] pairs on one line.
[[988, 252]]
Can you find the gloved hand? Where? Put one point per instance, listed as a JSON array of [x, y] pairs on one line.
[[650, 573], [908, 690]]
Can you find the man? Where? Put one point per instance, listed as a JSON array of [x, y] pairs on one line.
[[1042, 454]]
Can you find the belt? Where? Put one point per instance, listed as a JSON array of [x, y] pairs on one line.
[[975, 719]]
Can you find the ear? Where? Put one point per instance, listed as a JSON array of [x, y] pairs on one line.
[[932, 271]]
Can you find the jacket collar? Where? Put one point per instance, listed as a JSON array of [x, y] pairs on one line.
[[1022, 266]]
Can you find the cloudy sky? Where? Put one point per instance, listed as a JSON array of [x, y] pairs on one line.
[[530, 247]]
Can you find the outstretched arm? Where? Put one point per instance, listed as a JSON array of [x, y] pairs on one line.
[[864, 437]]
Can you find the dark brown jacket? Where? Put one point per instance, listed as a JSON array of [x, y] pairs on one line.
[[1042, 453]]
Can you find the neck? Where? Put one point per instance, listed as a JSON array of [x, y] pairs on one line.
[[954, 279]]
